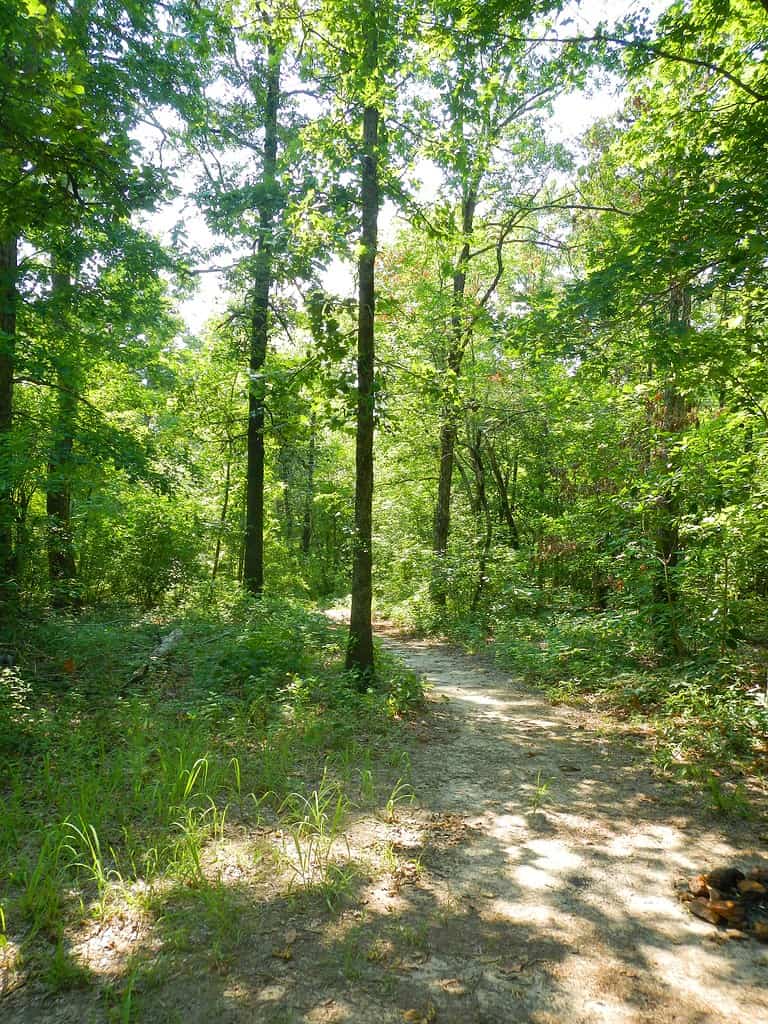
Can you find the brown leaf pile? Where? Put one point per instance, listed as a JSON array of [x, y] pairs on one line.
[[447, 830], [730, 897]]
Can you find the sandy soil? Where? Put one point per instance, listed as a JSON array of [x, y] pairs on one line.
[[573, 888], [532, 880]]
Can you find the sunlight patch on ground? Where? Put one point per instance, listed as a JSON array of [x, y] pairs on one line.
[[529, 877], [533, 914], [654, 906], [500, 825], [705, 977], [105, 946], [473, 697], [272, 994], [655, 837], [609, 1011], [330, 1011], [555, 854]]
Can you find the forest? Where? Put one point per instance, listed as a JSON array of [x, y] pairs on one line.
[[330, 328]]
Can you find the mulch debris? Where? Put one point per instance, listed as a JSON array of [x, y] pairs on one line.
[[731, 898]]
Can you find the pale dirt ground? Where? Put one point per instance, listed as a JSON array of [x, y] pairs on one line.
[[531, 881]]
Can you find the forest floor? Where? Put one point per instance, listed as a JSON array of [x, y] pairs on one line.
[[531, 879]]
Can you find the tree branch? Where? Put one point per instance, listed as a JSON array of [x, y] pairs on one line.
[[656, 51]]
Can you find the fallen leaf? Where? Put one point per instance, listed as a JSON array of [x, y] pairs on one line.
[[290, 936], [283, 954], [760, 931], [749, 885], [729, 910], [417, 1017], [698, 886], [454, 986], [702, 909]]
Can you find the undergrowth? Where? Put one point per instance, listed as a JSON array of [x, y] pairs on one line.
[[708, 715], [121, 770]]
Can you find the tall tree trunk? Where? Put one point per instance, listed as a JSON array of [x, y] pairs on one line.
[[223, 514], [476, 452], [22, 501], [58, 500], [674, 414], [309, 495], [241, 551], [253, 569], [286, 475], [360, 643], [448, 427], [505, 506], [8, 279]]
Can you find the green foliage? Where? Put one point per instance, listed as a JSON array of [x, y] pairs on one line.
[[312, 834], [62, 972], [112, 782], [703, 712], [153, 549]]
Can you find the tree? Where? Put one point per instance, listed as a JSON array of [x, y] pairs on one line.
[[262, 281], [360, 647], [61, 554], [75, 82], [490, 88], [679, 181], [359, 51], [254, 176]]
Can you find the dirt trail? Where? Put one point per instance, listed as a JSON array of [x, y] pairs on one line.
[[530, 881], [566, 895]]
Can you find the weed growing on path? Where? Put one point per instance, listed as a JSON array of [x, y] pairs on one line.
[[540, 794], [312, 830]]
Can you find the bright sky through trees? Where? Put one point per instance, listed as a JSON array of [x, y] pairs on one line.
[[572, 113]]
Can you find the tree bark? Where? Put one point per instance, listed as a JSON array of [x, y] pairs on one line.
[[505, 506], [476, 452], [253, 565], [8, 283], [223, 514], [309, 495], [360, 643], [674, 412], [448, 427], [61, 550]]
